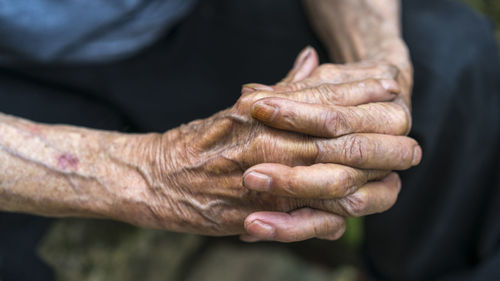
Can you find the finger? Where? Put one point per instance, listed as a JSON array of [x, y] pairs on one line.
[[363, 151], [298, 225], [370, 151], [319, 181], [249, 238], [372, 198], [360, 92], [304, 65], [338, 73], [331, 121], [254, 87], [348, 94]]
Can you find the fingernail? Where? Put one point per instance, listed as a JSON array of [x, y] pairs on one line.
[[264, 112], [253, 87], [260, 229], [257, 181], [304, 55], [390, 85], [417, 155]]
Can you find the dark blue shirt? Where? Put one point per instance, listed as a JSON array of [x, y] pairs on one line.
[[83, 30]]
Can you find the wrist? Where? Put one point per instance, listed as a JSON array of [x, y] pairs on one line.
[[358, 30], [145, 187], [394, 51]]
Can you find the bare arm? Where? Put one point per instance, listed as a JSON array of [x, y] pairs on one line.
[[67, 171], [363, 30], [363, 38], [189, 179]]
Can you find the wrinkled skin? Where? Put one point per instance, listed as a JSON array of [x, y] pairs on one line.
[[325, 78], [285, 163], [203, 185], [367, 36], [227, 174]]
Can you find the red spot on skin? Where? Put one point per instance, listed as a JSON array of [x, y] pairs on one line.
[[66, 161], [34, 129]]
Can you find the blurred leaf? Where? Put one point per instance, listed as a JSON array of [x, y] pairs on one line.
[[354, 233]]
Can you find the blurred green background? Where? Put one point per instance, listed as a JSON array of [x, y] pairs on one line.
[[102, 250]]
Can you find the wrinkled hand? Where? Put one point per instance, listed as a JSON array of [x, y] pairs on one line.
[[353, 86], [335, 114], [197, 171]]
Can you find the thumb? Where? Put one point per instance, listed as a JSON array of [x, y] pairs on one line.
[[304, 65]]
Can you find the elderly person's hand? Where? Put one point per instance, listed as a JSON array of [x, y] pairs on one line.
[[326, 108], [196, 172], [190, 179], [339, 99], [366, 35], [321, 168]]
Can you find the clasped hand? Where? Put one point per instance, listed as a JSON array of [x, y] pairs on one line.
[[292, 161]]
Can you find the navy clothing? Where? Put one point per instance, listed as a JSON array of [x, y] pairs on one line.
[[446, 223], [444, 226], [82, 30]]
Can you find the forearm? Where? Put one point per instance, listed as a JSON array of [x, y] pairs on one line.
[[356, 30], [68, 171], [365, 31]]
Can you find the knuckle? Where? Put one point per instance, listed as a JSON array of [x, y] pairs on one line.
[[289, 234], [345, 182], [355, 149], [369, 88], [389, 201], [355, 205], [388, 70], [362, 88], [405, 121], [330, 94], [245, 102], [375, 85], [325, 71], [334, 123], [250, 98], [289, 117], [320, 149], [412, 142], [337, 231], [398, 118], [258, 96], [319, 230], [337, 235], [292, 183]]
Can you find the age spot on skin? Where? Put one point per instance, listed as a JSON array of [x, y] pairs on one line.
[[67, 161]]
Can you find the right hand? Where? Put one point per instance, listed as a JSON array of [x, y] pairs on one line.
[[195, 172]]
